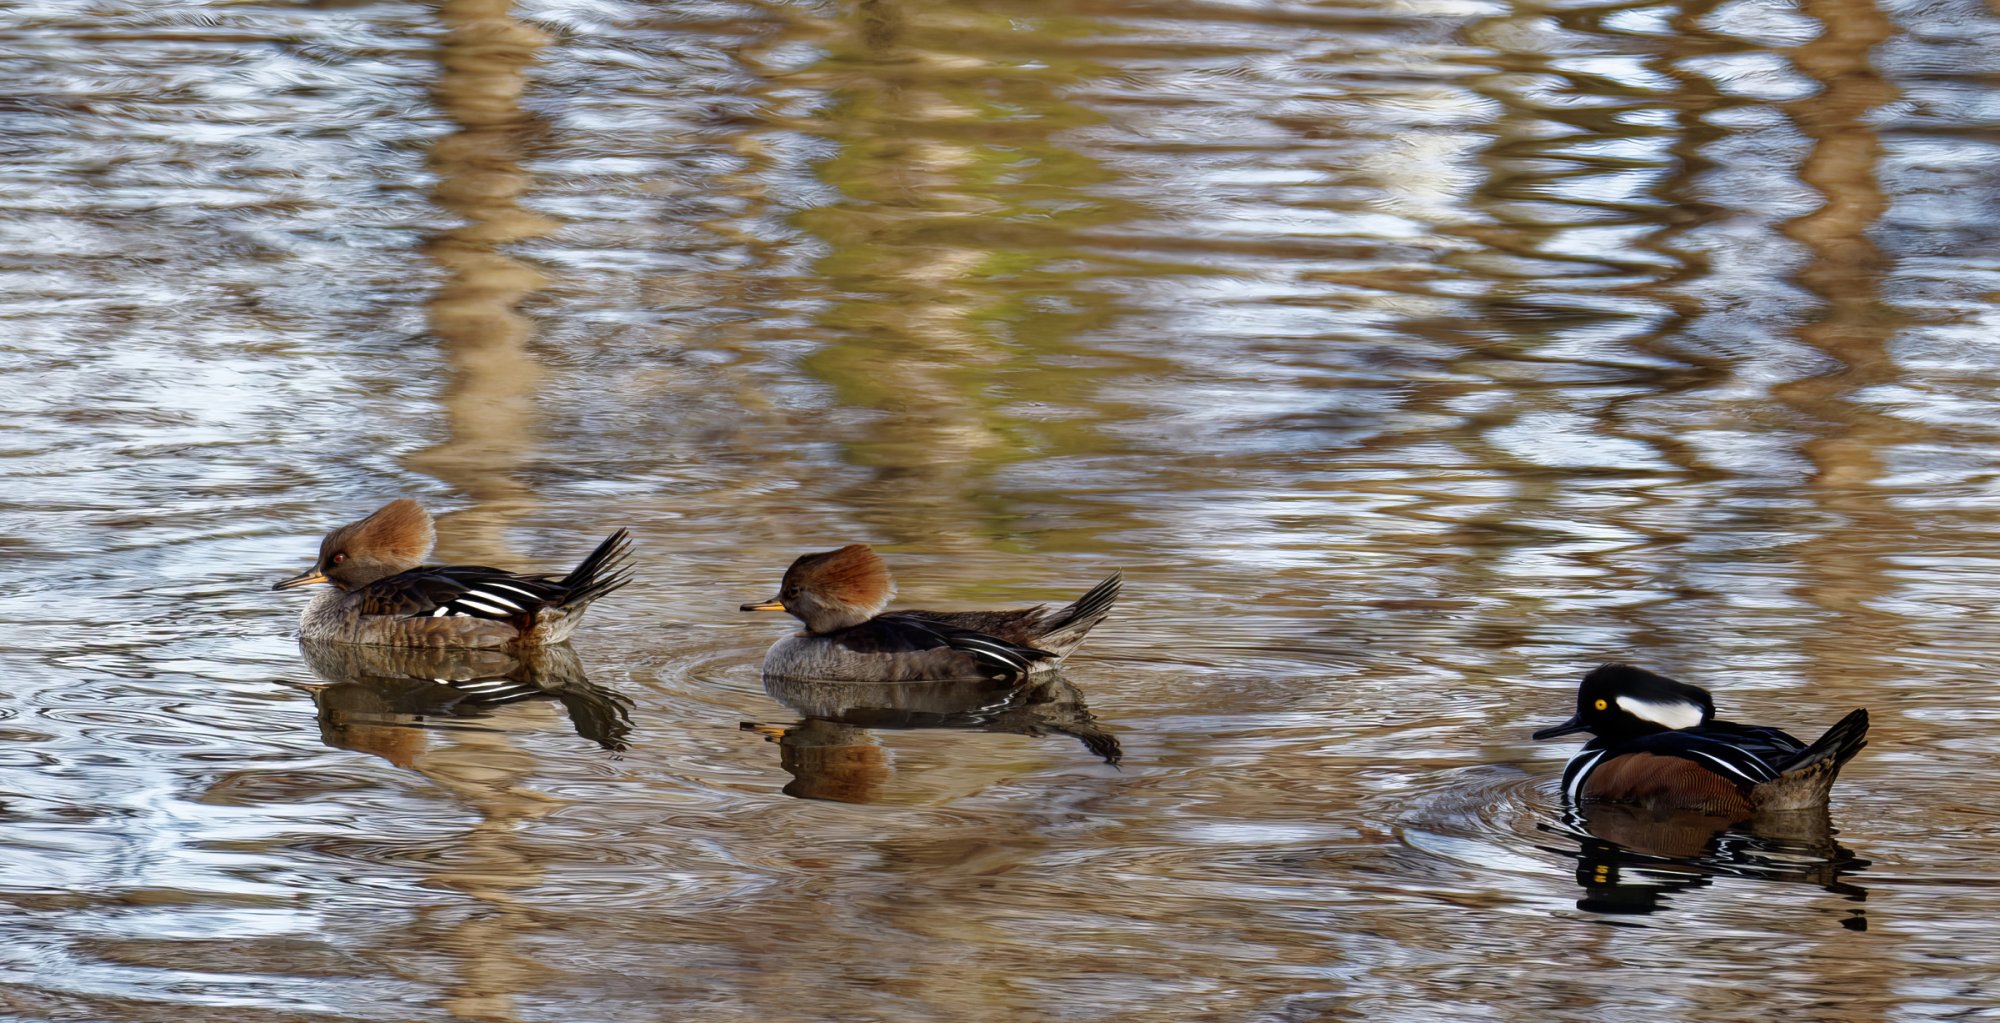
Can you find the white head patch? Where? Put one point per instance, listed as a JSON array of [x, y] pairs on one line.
[[1671, 714]]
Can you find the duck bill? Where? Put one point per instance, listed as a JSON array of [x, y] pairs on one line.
[[305, 578], [1570, 727], [774, 604]]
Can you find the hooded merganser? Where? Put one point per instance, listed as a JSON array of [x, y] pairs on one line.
[[381, 596], [840, 596], [1659, 746]]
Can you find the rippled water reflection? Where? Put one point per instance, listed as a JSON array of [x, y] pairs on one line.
[[1408, 357]]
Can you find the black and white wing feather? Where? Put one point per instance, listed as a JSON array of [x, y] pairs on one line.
[[469, 590], [1745, 755], [899, 633]]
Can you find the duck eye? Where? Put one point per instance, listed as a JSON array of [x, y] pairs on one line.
[[1601, 705], [338, 558]]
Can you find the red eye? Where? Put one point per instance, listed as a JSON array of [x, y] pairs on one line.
[[338, 558]]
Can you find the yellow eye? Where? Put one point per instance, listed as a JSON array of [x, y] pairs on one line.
[[1600, 705]]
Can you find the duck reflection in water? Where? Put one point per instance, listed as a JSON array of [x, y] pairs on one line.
[[833, 755], [384, 700], [1629, 859]]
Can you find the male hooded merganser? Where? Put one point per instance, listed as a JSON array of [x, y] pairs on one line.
[[840, 596], [380, 594], [1659, 746]]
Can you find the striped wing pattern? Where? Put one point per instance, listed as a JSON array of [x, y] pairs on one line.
[[896, 633], [1745, 755], [467, 590]]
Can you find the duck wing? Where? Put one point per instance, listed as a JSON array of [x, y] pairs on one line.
[[897, 632], [470, 590], [1744, 754]]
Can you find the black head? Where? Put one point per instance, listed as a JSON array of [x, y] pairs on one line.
[[1618, 701]]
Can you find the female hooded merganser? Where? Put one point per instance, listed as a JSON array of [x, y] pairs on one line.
[[840, 596], [1659, 746], [381, 596]]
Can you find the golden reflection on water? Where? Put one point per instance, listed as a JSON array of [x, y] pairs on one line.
[[490, 416], [390, 703], [957, 202], [1845, 270], [489, 402], [1844, 572]]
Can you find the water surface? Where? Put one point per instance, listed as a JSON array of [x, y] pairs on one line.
[[1409, 357]]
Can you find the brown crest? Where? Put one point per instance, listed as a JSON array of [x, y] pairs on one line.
[[400, 530], [852, 575]]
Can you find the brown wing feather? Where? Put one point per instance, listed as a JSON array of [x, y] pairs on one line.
[[1016, 626], [1651, 780]]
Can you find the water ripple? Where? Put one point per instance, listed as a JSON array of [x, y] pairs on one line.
[[1408, 359]]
